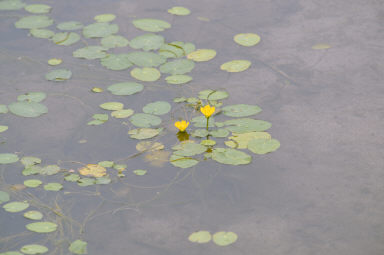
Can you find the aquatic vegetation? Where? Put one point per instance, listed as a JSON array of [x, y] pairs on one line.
[[181, 125], [247, 39], [207, 110]]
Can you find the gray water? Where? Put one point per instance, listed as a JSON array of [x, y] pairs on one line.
[[322, 192]]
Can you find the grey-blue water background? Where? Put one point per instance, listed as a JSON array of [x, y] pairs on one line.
[[320, 193]]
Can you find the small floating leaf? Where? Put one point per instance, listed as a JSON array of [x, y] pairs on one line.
[[125, 88], [3, 108], [72, 178], [32, 183], [178, 79], [32, 97], [53, 186], [189, 149], [105, 17], [200, 237], [90, 52], [145, 74], [50, 170], [214, 95], [247, 39], [38, 8], [147, 42], [83, 182], [182, 162], [94, 170], [263, 146], [157, 108], [245, 125], [241, 140], [240, 110], [96, 30], [149, 146], [146, 59], [55, 61], [33, 249], [151, 25], [33, 215], [42, 227], [235, 66], [144, 120], [179, 66], [112, 106], [34, 21], [224, 238], [9, 5], [321, 46], [78, 247], [4, 197], [219, 133], [3, 128], [69, 25], [230, 156], [200, 133], [8, 158], [27, 109], [59, 75], [202, 55], [144, 133], [140, 172], [121, 114], [30, 161], [41, 33], [66, 38], [15, 206], [106, 163], [113, 41], [179, 10], [116, 62], [97, 90]]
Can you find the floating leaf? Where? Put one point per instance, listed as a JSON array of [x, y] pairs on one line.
[[263, 146], [202, 55], [125, 88], [157, 108], [83, 182], [30, 170], [55, 61], [32, 183], [8, 158], [50, 170], [41, 33], [4, 197], [103, 180], [171, 51], [321, 46], [38, 8], [3, 108], [140, 172], [178, 79], [106, 163], [100, 116], [105, 17], [179, 66], [113, 41], [72, 178], [208, 142], [241, 141], [121, 114], [240, 110], [201, 122], [120, 167], [33, 215], [32, 97], [30, 161], [3, 128], [15, 206], [94, 170], [112, 106], [11, 253], [78, 247], [179, 99], [28, 109], [144, 120], [224, 238], [70, 25], [185, 47], [90, 52], [145, 74], [178, 10], [144, 133], [59, 75], [188, 149], [116, 62], [219, 133], [147, 42], [230, 156], [214, 95], [66, 38], [33, 249], [53, 186], [10, 5], [34, 21], [95, 122], [149, 146], [182, 162], [96, 30], [235, 66], [42, 227], [151, 25], [200, 237], [146, 59], [245, 125], [200, 133], [97, 90], [247, 39]]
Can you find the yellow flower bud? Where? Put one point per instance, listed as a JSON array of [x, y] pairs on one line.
[[181, 125], [207, 110]]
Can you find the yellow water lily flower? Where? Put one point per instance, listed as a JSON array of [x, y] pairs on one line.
[[181, 125], [207, 110]]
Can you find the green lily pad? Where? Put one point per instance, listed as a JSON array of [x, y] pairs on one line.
[[263, 146], [179, 10], [3, 128], [72, 178], [105, 17], [59, 75], [185, 47], [182, 162], [66, 38], [241, 141], [70, 25], [214, 95], [55, 61], [208, 142], [146, 59], [10, 5], [145, 74], [34, 21], [151, 25], [224, 238], [33, 215], [3, 109], [240, 110], [230, 156], [112, 106], [31, 170], [149, 146], [84, 182], [116, 62], [219, 133], [4, 197], [178, 79], [38, 8], [15, 206], [50, 170], [157, 108], [28, 109], [247, 39], [90, 52], [178, 66], [103, 180], [42, 227], [144, 133], [245, 125], [201, 122], [114, 41], [171, 51], [200, 237], [200, 133], [53, 186], [140, 172], [8, 158], [11, 253], [147, 42], [32, 183], [125, 88], [188, 149], [144, 120], [78, 247], [202, 55], [95, 122], [321, 46], [32, 97], [41, 33], [235, 66], [97, 30], [30, 161], [33, 249], [122, 114]]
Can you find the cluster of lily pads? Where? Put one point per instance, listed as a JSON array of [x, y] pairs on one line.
[[220, 238]]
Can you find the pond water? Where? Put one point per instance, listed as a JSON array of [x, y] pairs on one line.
[[316, 74]]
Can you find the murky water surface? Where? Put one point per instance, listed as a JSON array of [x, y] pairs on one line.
[[322, 192]]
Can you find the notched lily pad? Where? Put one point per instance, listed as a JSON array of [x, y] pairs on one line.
[[33, 249], [32, 97], [182, 162], [41, 33], [42, 227], [179, 66], [66, 38], [114, 41], [90, 52], [116, 62], [178, 79]]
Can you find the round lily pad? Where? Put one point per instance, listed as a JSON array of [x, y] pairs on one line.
[[149, 146], [157, 108], [263, 146], [247, 39], [224, 238], [179, 66], [38, 8], [9, 5], [78, 247], [189, 149], [146, 59], [208, 142], [140, 172], [105, 17], [112, 106], [241, 141], [179, 10], [244, 125], [151, 25], [116, 62], [53, 186], [240, 110], [59, 75], [27, 109], [219, 133], [8, 158], [15, 206], [33, 249], [121, 114], [34, 21], [200, 133], [72, 178], [202, 55], [66, 38], [147, 42], [182, 162], [200, 237], [125, 88], [42, 227], [144, 133], [214, 95], [32, 97], [11, 253], [41, 33], [178, 79], [55, 61], [3, 128], [70, 25], [33, 215], [50, 170], [145, 74], [97, 30], [30, 161], [144, 120], [230, 156], [4, 197], [32, 183], [113, 41], [235, 66], [90, 52]]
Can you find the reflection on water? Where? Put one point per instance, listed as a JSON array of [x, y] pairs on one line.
[[321, 192]]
